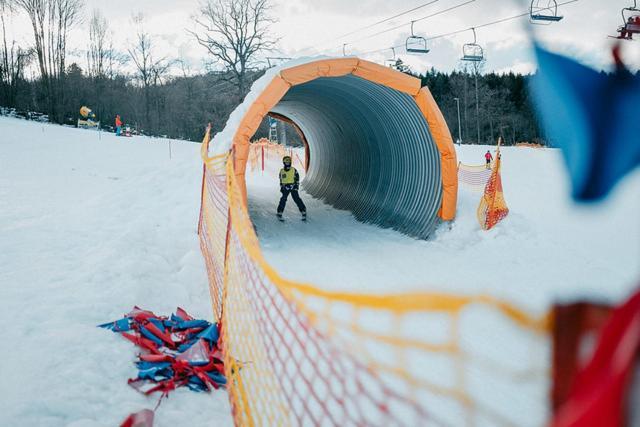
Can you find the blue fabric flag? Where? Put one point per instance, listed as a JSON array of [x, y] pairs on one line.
[[217, 377], [210, 334], [121, 325], [188, 324], [147, 334], [594, 117]]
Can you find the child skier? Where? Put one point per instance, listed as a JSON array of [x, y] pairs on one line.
[[118, 125], [488, 157], [289, 184]]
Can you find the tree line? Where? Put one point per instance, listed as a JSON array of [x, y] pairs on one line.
[[503, 106], [156, 94], [159, 95]]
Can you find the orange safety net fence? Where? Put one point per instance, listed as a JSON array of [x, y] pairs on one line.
[[529, 145], [263, 151], [473, 177], [296, 354], [492, 208]]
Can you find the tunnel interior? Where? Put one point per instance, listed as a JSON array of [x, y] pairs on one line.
[[371, 151]]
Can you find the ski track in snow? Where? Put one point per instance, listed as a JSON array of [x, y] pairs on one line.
[[90, 226]]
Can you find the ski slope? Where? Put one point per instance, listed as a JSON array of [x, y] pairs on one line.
[[91, 225], [547, 249]]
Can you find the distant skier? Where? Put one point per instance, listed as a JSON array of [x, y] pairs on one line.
[[118, 125], [289, 184], [488, 157]]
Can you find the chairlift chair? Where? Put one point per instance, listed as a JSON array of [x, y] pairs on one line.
[[416, 44], [544, 11], [630, 22], [472, 52]]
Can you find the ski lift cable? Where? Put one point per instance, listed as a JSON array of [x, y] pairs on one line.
[[415, 20], [366, 27], [487, 24], [403, 25], [429, 3]]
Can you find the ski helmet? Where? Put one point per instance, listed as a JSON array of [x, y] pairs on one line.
[[286, 160]]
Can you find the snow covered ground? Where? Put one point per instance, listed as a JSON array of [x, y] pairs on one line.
[[548, 247], [91, 225]]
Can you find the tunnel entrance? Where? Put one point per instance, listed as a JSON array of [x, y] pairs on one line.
[[371, 151], [377, 143]]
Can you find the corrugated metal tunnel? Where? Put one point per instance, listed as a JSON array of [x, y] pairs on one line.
[[371, 151], [378, 143]]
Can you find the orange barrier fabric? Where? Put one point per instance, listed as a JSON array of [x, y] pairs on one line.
[[263, 150], [296, 354], [448, 159], [492, 208], [300, 74], [529, 145], [324, 68]]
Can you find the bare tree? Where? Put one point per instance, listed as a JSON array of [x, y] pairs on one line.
[[115, 59], [235, 32], [98, 52], [13, 58], [150, 70], [51, 21]]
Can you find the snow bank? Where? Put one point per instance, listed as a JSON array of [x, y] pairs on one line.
[[92, 224], [223, 140]]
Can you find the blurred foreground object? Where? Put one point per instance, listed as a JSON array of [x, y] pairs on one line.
[[593, 117], [602, 392]]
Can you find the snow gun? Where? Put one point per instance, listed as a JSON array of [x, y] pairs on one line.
[[87, 119]]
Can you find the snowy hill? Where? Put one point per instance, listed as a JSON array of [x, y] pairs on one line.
[[92, 224]]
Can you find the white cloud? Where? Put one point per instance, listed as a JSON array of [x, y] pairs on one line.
[[519, 68], [309, 27]]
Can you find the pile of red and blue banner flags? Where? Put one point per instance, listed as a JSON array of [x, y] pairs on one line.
[[177, 351]]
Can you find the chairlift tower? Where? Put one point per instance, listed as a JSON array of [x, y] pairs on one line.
[[473, 52], [273, 130]]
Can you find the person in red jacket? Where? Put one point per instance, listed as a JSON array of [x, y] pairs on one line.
[[488, 157], [118, 125]]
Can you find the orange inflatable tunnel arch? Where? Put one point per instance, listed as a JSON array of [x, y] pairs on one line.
[[369, 104]]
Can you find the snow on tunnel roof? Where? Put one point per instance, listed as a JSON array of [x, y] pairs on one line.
[[223, 140]]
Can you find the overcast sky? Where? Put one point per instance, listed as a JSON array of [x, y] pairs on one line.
[[314, 27]]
